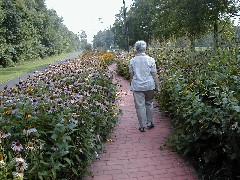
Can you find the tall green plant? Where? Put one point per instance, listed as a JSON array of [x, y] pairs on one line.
[[200, 92]]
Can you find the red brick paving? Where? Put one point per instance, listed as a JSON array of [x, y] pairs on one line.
[[135, 155]]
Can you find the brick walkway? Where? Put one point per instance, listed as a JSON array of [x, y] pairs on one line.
[[135, 155]]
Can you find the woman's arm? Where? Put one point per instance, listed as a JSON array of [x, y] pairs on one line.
[[156, 80], [131, 76]]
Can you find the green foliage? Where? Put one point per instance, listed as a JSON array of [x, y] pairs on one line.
[[141, 26], [30, 31], [166, 19], [55, 122], [123, 65], [103, 40], [200, 93], [119, 30], [83, 40]]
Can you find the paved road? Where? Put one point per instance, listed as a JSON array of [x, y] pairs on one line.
[[16, 80]]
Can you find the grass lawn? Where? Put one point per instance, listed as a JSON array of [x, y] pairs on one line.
[[28, 66]]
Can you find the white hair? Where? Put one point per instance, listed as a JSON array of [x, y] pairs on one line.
[[140, 46]]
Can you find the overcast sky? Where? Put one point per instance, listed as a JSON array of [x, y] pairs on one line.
[[84, 14]]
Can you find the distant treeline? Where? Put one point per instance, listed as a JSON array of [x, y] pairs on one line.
[[30, 31]]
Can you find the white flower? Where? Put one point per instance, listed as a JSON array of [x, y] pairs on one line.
[[235, 126], [54, 148], [98, 137], [21, 164], [2, 164], [29, 131], [30, 146], [17, 175], [96, 154], [4, 135], [74, 121]]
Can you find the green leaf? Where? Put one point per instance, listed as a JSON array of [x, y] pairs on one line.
[[54, 173], [233, 156], [54, 136], [72, 125], [33, 168], [74, 171], [43, 173], [236, 108], [224, 100], [187, 150], [66, 138], [68, 160], [41, 161], [199, 111], [63, 153], [77, 157]]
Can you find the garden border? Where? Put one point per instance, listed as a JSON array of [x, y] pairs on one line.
[[16, 80]]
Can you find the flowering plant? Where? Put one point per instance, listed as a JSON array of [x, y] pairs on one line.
[[54, 123]]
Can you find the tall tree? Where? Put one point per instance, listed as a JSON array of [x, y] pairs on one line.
[[83, 39], [218, 10], [119, 30], [191, 17], [140, 18], [103, 40], [28, 30]]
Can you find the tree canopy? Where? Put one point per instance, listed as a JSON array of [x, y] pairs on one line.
[[30, 31], [164, 19]]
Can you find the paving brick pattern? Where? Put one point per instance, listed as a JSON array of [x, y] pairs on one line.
[[135, 155]]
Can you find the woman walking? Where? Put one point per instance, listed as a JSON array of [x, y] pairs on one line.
[[144, 80]]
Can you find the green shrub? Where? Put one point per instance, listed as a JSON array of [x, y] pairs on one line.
[[123, 65], [200, 91]]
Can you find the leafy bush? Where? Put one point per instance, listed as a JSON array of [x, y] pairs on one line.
[[200, 91], [53, 124], [123, 65]]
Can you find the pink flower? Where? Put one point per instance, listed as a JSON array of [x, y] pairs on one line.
[[4, 135], [21, 165], [54, 148], [16, 146]]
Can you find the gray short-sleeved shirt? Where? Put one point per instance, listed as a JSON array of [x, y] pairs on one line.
[[141, 66]]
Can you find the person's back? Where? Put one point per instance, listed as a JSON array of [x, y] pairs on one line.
[[142, 66], [143, 79]]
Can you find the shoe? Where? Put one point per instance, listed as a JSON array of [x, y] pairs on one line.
[[151, 126], [141, 129]]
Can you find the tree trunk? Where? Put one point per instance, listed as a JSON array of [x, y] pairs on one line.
[[192, 43]]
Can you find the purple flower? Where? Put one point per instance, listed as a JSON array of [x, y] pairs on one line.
[[16, 146]]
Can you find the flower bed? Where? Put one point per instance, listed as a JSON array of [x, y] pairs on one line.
[[53, 124]]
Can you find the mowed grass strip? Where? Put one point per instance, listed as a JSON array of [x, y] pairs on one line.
[[28, 66]]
